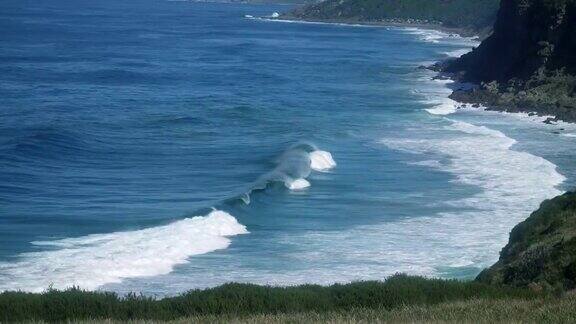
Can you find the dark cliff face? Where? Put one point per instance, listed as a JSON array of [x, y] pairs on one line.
[[528, 64], [529, 36], [542, 250]]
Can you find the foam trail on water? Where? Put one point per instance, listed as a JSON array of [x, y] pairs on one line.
[[94, 260], [513, 184]]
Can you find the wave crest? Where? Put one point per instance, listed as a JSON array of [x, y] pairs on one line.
[[94, 260]]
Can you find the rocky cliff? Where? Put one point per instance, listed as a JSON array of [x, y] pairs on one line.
[[541, 252], [529, 62]]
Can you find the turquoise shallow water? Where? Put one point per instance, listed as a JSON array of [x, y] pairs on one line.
[[122, 121]]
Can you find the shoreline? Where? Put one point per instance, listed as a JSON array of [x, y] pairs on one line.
[[462, 32], [477, 96], [474, 95]]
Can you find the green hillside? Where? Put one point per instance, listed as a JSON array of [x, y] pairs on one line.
[[450, 13]]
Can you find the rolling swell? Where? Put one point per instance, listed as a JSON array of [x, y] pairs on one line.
[[94, 260], [291, 169]]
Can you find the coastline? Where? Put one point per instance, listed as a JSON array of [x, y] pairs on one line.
[[463, 32], [498, 181], [476, 95]]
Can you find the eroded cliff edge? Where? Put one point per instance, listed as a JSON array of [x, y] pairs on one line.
[[528, 64], [541, 252]]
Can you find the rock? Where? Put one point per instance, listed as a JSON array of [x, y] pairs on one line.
[[549, 121], [528, 62]]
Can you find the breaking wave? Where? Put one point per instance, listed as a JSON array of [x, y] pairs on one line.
[[94, 260]]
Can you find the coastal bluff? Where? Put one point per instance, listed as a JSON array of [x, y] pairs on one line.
[[528, 64], [541, 252]]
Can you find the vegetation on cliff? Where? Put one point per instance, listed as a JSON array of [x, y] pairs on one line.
[[528, 63], [541, 252], [473, 15]]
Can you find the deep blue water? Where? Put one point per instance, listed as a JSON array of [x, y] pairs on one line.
[[122, 120]]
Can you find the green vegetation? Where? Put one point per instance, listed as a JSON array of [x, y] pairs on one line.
[[541, 252], [474, 15], [547, 92], [529, 62], [243, 300], [539, 310]]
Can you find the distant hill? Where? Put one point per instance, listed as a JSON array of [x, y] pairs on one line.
[[474, 15]]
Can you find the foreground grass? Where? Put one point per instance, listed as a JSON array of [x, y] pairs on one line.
[[538, 310], [250, 302]]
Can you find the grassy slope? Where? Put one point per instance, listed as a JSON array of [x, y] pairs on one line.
[[542, 249], [561, 310], [245, 301]]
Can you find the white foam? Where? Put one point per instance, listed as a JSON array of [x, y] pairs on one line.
[[248, 16], [458, 52], [512, 184], [275, 15], [435, 93], [298, 184], [569, 134], [281, 20], [446, 107], [427, 35], [437, 36], [94, 260], [321, 161], [524, 116], [507, 185]]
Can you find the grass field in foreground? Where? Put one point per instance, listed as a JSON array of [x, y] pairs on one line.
[[539, 310], [396, 298]]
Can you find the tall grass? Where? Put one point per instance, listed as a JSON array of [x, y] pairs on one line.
[[241, 300], [538, 310]]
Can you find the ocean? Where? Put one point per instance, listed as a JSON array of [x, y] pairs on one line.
[[159, 146]]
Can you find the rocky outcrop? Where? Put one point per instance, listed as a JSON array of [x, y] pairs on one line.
[[529, 62], [541, 252]]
